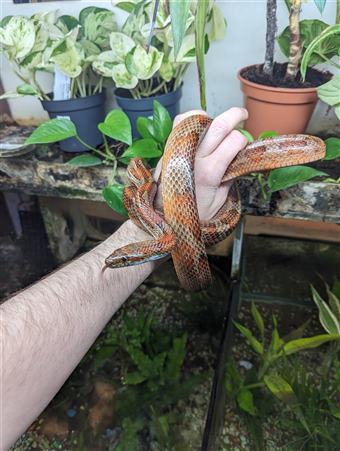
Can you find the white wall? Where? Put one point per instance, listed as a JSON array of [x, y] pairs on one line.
[[243, 45]]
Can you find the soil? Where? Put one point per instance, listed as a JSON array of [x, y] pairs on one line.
[[314, 77]]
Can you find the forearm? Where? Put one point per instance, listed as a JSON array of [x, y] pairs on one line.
[[47, 328]]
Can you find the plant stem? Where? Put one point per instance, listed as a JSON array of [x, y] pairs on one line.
[[107, 148], [295, 50], [268, 66], [262, 186], [200, 21], [39, 87], [337, 17], [157, 89], [99, 152], [73, 88]]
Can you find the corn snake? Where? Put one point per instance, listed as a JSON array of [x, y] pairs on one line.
[[179, 231]]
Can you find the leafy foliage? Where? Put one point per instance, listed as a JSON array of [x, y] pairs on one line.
[[332, 148], [311, 407], [113, 196], [52, 131], [330, 93], [283, 178], [150, 55], [44, 42], [312, 29], [152, 375], [154, 133]]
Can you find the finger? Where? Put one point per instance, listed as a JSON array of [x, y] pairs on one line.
[[226, 152], [209, 203], [180, 117], [219, 129], [210, 170]]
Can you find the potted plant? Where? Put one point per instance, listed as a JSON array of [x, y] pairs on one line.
[[275, 94], [66, 47], [116, 126], [148, 59]]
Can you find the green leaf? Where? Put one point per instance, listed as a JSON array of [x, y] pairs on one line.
[[330, 93], [126, 6], [145, 127], [276, 343], [332, 148], [298, 332], [254, 343], [66, 23], [5, 21], [308, 343], [52, 131], [175, 359], [310, 29], [218, 24], [162, 122], [179, 12], [257, 318], [88, 10], [17, 37], [334, 303], [117, 126], [326, 316], [134, 378], [144, 148], [336, 288], [143, 64], [324, 43], [27, 90], [245, 401], [280, 388], [85, 161], [268, 134], [113, 195], [144, 363], [248, 135], [283, 178]]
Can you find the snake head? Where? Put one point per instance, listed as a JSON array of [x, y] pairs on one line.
[[131, 255]]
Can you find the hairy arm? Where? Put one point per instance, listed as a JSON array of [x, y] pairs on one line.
[[47, 328]]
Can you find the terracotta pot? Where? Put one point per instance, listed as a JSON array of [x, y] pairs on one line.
[[285, 110]]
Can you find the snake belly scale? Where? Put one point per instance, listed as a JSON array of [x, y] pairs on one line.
[[179, 231]]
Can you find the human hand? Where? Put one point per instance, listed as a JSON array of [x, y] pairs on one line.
[[218, 148]]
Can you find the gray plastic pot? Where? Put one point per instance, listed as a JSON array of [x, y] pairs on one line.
[[135, 108], [85, 113]]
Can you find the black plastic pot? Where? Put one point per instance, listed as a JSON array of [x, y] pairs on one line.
[[135, 108], [85, 113]]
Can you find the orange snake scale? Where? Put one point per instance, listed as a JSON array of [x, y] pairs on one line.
[[179, 231]]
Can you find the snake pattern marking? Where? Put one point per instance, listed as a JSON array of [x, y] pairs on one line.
[[179, 231]]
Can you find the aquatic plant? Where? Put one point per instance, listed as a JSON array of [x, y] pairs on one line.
[[309, 403]]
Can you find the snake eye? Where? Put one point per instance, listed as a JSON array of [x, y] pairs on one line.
[[124, 259]]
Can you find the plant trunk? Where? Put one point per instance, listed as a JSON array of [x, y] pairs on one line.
[[295, 50], [270, 37]]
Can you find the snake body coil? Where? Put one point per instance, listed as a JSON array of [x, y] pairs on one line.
[[179, 231]]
